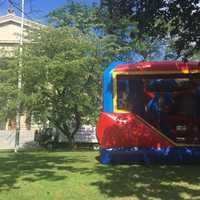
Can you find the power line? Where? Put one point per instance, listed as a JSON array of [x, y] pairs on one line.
[[16, 7], [31, 8]]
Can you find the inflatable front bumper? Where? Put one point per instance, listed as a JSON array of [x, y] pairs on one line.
[[126, 138], [175, 155]]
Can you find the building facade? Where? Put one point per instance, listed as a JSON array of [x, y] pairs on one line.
[[10, 30]]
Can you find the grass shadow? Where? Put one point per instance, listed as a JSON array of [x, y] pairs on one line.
[[107, 181], [149, 182], [36, 166]]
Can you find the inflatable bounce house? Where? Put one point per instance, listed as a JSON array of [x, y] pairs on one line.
[[151, 113]]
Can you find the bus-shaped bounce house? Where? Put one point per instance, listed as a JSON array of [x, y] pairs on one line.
[[151, 113]]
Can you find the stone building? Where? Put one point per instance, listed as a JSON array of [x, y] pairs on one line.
[[10, 29]]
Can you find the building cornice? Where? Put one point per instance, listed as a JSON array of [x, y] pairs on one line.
[[9, 41], [15, 19]]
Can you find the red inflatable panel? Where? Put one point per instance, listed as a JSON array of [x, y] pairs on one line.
[[158, 66], [115, 130]]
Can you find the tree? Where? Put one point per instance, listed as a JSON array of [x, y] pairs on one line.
[[118, 19], [100, 22], [59, 78], [176, 21], [85, 18], [62, 70], [80, 16]]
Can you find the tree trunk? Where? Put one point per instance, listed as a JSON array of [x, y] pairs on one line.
[[62, 126], [71, 142]]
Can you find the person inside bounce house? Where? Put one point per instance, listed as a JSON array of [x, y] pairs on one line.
[[175, 101]]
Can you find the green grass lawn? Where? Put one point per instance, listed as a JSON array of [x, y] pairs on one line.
[[79, 176]]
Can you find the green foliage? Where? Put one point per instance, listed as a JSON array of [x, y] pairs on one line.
[[59, 81], [99, 22], [118, 20], [82, 17], [176, 21], [8, 88], [196, 56], [184, 25]]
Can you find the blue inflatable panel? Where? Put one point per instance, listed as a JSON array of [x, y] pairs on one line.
[[107, 87], [172, 155]]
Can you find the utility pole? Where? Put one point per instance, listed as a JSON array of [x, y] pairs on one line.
[[19, 82]]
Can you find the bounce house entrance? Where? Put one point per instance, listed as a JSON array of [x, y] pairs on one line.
[[169, 105]]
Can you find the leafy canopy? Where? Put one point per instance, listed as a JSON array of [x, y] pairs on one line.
[[101, 22], [58, 78], [175, 21]]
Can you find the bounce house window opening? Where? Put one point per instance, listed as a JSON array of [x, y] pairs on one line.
[[130, 91], [170, 104]]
